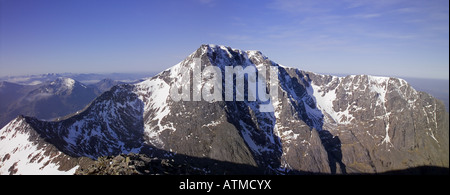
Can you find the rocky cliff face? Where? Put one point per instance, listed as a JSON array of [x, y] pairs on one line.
[[383, 123], [319, 123]]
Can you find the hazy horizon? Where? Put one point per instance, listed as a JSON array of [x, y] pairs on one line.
[[157, 72]]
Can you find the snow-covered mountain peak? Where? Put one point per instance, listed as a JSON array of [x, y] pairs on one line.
[[65, 82], [61, 86]]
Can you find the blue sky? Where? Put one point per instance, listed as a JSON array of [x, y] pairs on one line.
[[405, 38]]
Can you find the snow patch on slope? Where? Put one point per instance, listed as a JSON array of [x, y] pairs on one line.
[[20, 155], [154, 93], [65, 83], [379, 85], [246, 134], [324, 101]]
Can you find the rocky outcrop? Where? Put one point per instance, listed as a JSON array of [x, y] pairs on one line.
[[137, 164]]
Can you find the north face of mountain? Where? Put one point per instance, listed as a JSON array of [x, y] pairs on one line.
[[319, 123], [382, 123]]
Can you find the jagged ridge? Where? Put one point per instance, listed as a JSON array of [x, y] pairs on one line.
[[321, 124]]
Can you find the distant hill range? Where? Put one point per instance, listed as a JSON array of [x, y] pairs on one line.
[[87, 79], [49, 99]]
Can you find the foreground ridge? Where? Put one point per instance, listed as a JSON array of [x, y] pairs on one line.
[[141, 164], [138, 164]]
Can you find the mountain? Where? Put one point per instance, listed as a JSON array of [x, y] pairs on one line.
[[318, 123], [48, 100]]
